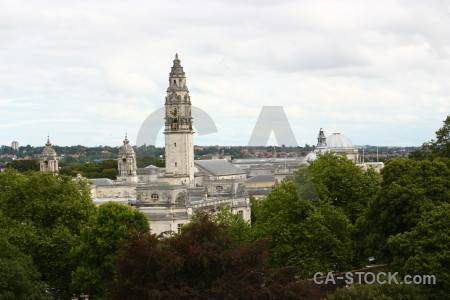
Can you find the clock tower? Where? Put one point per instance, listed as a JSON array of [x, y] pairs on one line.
[[178, 128]]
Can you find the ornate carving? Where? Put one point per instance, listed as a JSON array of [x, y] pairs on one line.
[[241, 190], [182, 199]]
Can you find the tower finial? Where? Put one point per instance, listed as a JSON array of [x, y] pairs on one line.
[[176, 55]]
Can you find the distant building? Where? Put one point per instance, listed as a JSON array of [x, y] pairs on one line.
[[340, 145], [170, 196], [337, 143], [48, 160], [15, 145]]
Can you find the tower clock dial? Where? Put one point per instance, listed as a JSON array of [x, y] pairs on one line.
[[173, 112]]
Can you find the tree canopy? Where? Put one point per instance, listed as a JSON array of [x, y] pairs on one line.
[[339, 181], [42, 215], [312, 235], [409, 189], [24, 165], [439, 147], [19, 278], [104, 169], [112, 224], [425, 250], [199, 264]]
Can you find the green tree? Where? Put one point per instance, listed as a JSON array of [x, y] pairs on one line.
[[43, 216], [104, 169], [425, 250], [113, 224], [312, 235], [233, 226], [19, 278], [339, 181], [409, 189], [24, 165], [146, 160], [439, 147]]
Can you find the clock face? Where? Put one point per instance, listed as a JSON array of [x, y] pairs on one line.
[[173, 112]]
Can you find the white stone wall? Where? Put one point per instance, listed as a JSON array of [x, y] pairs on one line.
[[113, 191], [180, 154]]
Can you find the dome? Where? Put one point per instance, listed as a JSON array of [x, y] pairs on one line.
[[339, 141], [48, 150], [126, 147]]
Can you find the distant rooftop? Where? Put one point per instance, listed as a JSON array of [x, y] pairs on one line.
[[102, 181], [218, 167], [261, 178]]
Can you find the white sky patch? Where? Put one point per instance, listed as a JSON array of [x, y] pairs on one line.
[[377, 71]]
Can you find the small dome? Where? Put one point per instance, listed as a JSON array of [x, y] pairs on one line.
[[48, 150], [126, 147], [339, 141]]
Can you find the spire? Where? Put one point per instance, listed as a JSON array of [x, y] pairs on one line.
[[321, 140], [48, 144], [177, 69], [126, 141]]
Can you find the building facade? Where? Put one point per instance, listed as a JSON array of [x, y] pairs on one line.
[[170, 196], [48, 160], [15, 145], [179, 135]]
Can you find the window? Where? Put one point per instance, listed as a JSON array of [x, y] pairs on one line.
[[175, 144], [179, 226], [155, 197], [174, 81], [219, 188], [175, 164], [241, 213]]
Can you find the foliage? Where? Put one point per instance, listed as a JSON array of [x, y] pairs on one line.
[[380, 292], [104, 169], [19, 278], [425, 249], [144, 161], [24, 165], [198, 264], [232, 225], [43, 216], [439, 147], [312, 235], [113, 223], [409, 189], [341, 182]]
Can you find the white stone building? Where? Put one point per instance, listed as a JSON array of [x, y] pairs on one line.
[[337, 143], [170, 196], [48, 160], [341, 145]]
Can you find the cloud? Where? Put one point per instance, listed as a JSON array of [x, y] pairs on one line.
[[376, 71]]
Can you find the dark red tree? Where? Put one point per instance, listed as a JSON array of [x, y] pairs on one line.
[[199, 264]]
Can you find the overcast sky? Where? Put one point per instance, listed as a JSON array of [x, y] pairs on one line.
[[86, 72]]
